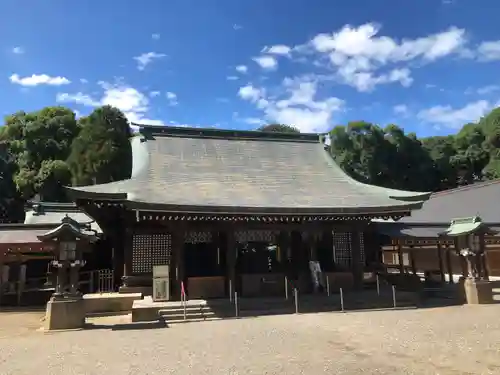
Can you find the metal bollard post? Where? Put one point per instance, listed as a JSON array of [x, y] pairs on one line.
[[286, 288], [342, 300], [327, 286], [394, 296], [230, 291], [184, 304], [378, 285], [236, 303], [296, 300]]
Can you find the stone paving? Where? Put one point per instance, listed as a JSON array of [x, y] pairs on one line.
[[445, 341]]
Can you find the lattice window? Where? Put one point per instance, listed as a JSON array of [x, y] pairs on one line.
[[342, 249], [406, 259], [197, 237], [256, 236], [362, 248], [161, 249], [150, 250]]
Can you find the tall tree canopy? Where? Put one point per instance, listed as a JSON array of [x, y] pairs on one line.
[[35, 139], [279, 128], [101, 152]]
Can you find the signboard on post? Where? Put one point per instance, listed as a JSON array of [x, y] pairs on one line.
[[161, 283]]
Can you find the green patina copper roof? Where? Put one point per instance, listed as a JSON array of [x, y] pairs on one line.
[[211, 170], [463, 226]]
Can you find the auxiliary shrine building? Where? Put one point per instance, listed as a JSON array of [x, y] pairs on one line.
[[238, 211]]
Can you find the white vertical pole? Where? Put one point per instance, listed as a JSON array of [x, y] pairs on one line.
[[286, 288], [378, 285], [230, 290], [296, 300], [342, 300], [328, 286], [184, 307], [394, 296], [236, 303]]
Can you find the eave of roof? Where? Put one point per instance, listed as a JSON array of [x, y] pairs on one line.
[[189, 150]]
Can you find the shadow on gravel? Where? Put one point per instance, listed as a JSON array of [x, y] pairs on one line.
[[128, 326]]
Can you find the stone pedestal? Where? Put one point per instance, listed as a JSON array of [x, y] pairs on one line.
[[477, 291], [64, 312]]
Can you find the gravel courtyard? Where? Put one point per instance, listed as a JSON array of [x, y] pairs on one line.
[[453, 340]]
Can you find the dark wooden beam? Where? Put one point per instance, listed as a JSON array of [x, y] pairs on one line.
[[440, 260]]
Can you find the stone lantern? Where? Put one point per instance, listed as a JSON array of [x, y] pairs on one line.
[[469, 244], [65, 310]]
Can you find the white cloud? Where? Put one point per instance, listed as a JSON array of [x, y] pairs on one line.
[[484, 90], [172, 98], [279, 49], [455, 117], [18, 50], [133, 103], [489, 51], [232, 78], [266, 62], [401, 109], [487, 89], [242, 69], [237, 27], [358, 54], [39, 79], [154, 94], [298, 105], [79, 98], [155, 36], [83, 80], [147, 58]]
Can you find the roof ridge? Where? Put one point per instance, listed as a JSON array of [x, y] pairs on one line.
[[190, 132], [466, 187]]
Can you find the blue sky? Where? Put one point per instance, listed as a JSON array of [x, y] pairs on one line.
[[427, 65]]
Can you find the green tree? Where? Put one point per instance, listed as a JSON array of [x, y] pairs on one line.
[[101, 153], [441, 149], [279, 128], [37, 138], [11, 204]]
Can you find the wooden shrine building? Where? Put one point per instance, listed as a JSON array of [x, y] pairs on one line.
[[237, 210], [418, 242], [25, 260]]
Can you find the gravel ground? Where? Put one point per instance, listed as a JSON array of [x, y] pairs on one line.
[[452, 340]]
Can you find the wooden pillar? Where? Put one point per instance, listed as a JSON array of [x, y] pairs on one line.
[[441, 265], [177, 271], [231, 262], [284, 250], [128, 248], [484, 259], [356, 266], [400, 258], [449, 265], [118, 255], [412, 261]]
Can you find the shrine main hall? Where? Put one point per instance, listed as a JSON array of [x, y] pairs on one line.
[[231, 210]]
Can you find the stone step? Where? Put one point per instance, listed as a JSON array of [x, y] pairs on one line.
[[191, 320], [188, 309], [180, 315]]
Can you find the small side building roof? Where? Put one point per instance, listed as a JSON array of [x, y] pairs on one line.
[[244, 172], [52, 213], [480, 199]]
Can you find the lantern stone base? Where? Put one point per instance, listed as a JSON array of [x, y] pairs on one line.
[[477, 292], [64, 312]]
